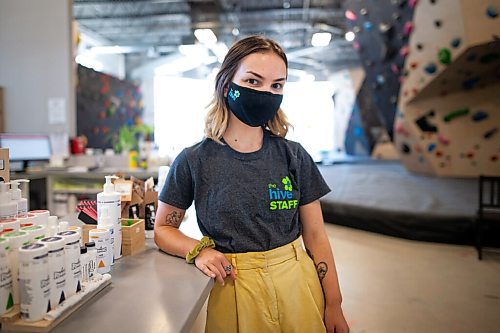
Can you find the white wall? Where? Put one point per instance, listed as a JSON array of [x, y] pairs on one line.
[[36, 64]]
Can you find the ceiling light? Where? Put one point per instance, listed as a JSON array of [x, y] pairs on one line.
[[321, 39], [349, 36], [205, 36]]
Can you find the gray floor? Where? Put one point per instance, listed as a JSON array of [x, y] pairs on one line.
[[396, 285]]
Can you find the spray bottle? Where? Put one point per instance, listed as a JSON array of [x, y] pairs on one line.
[[22, 203], [8, 207], [110, 200]]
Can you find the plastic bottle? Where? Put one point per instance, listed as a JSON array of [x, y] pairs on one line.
[[22, 203], [57, 269], [101, 238], [111, 200], [8, 207], [73, 263], [85, 263], [106, 223], [6, 298], [92, 257]]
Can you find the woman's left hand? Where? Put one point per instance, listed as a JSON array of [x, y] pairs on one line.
[[334, 319]]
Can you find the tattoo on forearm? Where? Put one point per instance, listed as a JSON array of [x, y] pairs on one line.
[[173, 219], [322, 268]]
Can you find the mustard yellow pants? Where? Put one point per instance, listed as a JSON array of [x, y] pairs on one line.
[[275, 291]]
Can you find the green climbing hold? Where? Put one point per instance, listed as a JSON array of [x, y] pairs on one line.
[[444, 56], [454, 114], [10, 302]]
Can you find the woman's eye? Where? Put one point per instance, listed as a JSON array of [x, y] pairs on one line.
[[277, 85], [252, 81]]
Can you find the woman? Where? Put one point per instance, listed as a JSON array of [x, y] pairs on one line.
[[257, 198]]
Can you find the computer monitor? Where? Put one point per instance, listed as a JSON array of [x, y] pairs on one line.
[[26, 148]]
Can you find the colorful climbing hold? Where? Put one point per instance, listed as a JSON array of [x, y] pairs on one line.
[[404, 51], [349, 14], [413, 64], [363, 11], [395, 68], [490, 133], [368, 26], [479, 116], [470, 155], [408, 28], [405, 148], [492, 12], [493, 158], [412, 3], [396, 16], [443, 140], [438, 23], [470, 83], [439, 153], [430, 68], [456, 42], [420, 46], [380, 79], [431, 147], [444, 56], [455, 114]]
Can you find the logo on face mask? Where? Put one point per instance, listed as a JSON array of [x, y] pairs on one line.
[[234, 94], [282, 199]]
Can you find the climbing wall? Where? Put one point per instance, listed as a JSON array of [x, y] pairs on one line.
[[449, 103], [104, 104], [382, 29]]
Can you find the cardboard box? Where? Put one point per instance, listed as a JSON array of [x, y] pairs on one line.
[[4, 164], [85, 231], [133, 236]]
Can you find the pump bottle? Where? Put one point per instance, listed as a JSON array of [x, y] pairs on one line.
[[22, 203], [110, 200], [8, 207]]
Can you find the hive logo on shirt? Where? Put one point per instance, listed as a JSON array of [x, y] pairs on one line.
[[282, 199]]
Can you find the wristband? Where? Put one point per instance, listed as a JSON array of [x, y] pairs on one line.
[[204, 243]]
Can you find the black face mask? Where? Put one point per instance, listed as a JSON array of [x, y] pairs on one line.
[[253, 107]]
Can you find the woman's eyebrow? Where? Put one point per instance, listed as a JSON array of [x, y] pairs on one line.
[[261, 77]]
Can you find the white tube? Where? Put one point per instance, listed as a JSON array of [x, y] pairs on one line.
[[34, 281], [36, 232], [6, 299], [42, 216], [101, 237], [73, 264], [57, 269], [16, 240]]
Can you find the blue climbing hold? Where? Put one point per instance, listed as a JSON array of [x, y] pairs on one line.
[[479, 116], [492, 12], [358, 131], [380, 79], [470, 83], [368, 26], [456, 42], [431, 147], [430, 68]]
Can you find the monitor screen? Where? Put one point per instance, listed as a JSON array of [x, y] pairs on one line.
[[26, 147]]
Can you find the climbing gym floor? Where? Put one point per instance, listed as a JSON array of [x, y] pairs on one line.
[[384, 197]]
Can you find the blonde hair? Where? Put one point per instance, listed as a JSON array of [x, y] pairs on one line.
[[217, 118]]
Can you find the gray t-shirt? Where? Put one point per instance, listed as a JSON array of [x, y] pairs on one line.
[[245, 202]]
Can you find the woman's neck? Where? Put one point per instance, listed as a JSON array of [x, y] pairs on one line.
[[243, 138]]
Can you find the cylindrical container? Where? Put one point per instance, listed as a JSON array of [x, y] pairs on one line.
[[16, 240], [34, 281], [78, 230], [41, 216], [72, 259], [27, 220], [57, 269], [6, 299], [117, 244], [92, 257], [52, 226], [101, 237], [8, 225], [36, 232], [62, 226], [22, 203], [85, 264]]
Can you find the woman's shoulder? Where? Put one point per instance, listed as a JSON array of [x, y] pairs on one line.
[[281, 142], [203, 147]]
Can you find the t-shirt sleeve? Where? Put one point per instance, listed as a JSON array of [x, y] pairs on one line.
[[312, 184], [178, 188]]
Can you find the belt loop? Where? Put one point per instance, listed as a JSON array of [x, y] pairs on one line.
[[233, 260]]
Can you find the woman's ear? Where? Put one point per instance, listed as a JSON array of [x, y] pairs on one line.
[[225, 91]]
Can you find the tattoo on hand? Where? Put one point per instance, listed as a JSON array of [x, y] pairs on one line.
[[173, 219], [322, 268]]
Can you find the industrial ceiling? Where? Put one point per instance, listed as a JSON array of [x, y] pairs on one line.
[[148, 29]]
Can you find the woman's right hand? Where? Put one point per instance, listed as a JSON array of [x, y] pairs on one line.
[[212, 263]]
